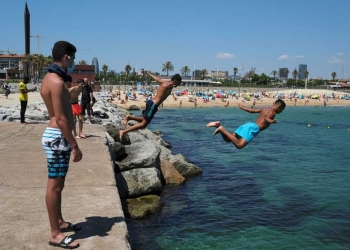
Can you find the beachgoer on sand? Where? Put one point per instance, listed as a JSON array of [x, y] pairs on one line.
[[23, 97], [58, 141], [247, 132], [152, 105]]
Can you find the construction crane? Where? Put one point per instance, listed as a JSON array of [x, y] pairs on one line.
[[38, 40]]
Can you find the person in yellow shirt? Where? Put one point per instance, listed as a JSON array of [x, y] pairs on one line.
[[23, 96]]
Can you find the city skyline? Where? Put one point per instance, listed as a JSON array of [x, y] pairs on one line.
[[315, 36]]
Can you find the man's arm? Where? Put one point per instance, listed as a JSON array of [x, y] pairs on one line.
[[91, 95], [157, 79], [270, 117], [249, 109], [57, 92]]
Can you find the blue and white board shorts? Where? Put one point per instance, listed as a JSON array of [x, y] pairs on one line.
[[248, 131], [57, 150]]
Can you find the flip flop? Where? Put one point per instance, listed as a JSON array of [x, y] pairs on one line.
[[64, 243], [71, 228]]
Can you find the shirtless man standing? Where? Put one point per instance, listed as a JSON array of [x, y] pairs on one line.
[[74, 93], [58, 140], [247, 132], [152, 105]]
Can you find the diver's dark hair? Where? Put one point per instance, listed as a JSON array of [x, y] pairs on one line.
[[176, 78], [62, 48], [281, 103]]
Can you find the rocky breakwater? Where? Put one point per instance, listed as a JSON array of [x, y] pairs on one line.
[[143, 164]]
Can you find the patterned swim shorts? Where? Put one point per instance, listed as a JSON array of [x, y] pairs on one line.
[[57, 150]]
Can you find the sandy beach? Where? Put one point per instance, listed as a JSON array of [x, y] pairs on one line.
[[34, 97], [170, 102]]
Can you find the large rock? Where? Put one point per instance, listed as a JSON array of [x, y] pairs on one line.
[[114, 133], [135, 136], [185, 168], [137, 182], [142, 207], [170, 174], [140, 155]]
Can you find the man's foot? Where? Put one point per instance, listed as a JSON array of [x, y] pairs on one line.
[[77, 137], [121, 134], [214, 124], [82, 136], [69, 227], [126, 119], [63, 242], [218, 130]]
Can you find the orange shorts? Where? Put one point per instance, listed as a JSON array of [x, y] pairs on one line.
[[76, 109]]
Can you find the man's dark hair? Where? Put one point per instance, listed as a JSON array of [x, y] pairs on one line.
[[62, 48], [281, 103], [176, 78]]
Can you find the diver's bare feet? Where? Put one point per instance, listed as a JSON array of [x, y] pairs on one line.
[[214, 124], [121, 134], [126, 119], [218, 130], [77, 137], [82, 136]]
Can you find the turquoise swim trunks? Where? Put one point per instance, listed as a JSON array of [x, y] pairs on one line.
[[248, 131]]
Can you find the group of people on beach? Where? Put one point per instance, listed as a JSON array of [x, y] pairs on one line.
[[59, 140]]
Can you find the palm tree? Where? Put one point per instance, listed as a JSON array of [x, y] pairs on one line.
[[127, 70], [40, 63], [286, 72], [235, 71], [295, 74], [306, 74], [185, 70], [28, 62], [167, 66], [203, 73], [334, 75], [48, 60], [82, 62], [274, 73], [104, 69]]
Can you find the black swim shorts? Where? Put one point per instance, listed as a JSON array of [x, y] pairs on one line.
[[150, 111]]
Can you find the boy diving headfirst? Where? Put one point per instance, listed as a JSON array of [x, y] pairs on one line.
[[163, 92], [245, 133]]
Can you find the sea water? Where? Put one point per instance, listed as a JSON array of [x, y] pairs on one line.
[[288, 189]]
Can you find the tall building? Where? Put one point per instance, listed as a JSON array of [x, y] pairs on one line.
[[302, 70], [196, 74], [219, 74], [95, 63], [282, 73]]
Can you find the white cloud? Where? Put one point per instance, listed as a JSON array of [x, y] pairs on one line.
[[283, 57], [340, 54], [225, 55], [334, 59], [298, 57]]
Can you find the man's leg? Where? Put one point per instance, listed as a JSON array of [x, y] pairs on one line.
[[23, 110], [53, 204], [131, 117], [137, 126], [227, 136], [88, 109], [80, 117], [74, 128]]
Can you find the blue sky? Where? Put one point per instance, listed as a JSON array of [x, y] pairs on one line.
[[206, 34]]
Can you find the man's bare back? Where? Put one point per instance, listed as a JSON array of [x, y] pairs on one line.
[[50, 81], [266, 114], [163, 92]]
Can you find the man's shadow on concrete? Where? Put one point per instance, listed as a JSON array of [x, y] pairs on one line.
[[96, 226]]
